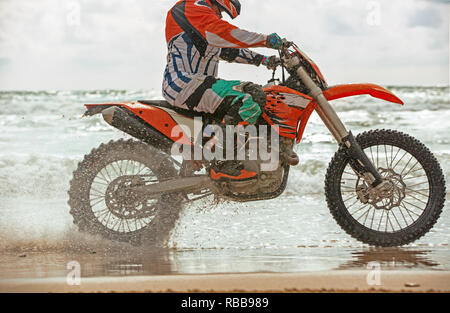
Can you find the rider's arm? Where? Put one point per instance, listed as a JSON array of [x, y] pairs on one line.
[[218, 32], [243, 56]]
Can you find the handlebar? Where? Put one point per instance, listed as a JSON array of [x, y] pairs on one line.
[[285, 46]]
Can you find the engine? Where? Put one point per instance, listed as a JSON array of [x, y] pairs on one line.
[[272, 178]]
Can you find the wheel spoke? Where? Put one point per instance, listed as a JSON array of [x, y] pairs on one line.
[[414, 177], [361, 208], [395, 157], [407, 173], [99, 201], [371, 154], [390, 222], [354, 196], [400, 160], [127, 217], [417, 199], [409, 161], [100, 183], [351, 174], [364, 214], [102, 177], [425, 182], [401, 212], [409, 211], [105, 211], [379, 224], [114, 169], [386, 155], [97, 191], [378, 159], [120, 168], [395, 217], [96, 198], [401, 166], [107, 174], [367, 215], [373, 217], [418, 191]]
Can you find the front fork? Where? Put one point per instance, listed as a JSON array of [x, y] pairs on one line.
[[359, 160]]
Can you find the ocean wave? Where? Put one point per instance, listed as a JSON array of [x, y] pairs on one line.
[[71, 102], [40, 176], [44, 176]]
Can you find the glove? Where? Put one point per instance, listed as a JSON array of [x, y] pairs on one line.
[[271, 62], [274, 41]]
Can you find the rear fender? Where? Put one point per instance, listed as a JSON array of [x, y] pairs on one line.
[[165, 121], [349, 90]]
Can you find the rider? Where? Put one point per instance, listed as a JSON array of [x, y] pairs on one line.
[[197, 40]]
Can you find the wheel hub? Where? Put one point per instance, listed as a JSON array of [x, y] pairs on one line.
[[388, 195], [122, 201]]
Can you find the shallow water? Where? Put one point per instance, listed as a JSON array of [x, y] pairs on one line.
[[43, 137]]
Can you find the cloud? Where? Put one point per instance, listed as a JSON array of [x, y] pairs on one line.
[[339, 27], [441, 1], [428, 17], [93, 44], [5, 62]]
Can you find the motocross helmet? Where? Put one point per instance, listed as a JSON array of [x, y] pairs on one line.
[[232, 7]]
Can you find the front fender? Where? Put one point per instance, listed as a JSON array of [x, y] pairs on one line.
[[349, 90]]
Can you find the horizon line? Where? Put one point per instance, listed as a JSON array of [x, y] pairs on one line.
[[147, 90]]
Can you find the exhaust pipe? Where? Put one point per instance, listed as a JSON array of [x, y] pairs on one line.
[[134, 126]]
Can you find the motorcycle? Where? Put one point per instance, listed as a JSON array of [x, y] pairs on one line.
[[383, 187]]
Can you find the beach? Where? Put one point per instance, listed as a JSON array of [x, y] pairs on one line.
[[289, 244], [120, 268], [332, 281]]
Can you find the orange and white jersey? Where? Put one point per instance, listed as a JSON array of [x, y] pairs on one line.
[[197, 39]]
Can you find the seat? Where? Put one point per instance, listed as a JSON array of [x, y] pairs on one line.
[[167, 105]]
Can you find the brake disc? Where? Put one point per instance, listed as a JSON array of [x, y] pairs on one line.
[[123, 202], [388, 195]]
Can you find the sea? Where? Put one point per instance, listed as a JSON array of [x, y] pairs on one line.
[[43, 136]]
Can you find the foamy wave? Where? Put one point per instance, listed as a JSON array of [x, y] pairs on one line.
[[47, 176], [37, 176], [25, 103]]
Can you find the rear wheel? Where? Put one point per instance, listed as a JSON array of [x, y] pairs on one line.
[[406, 209], [101, 203]]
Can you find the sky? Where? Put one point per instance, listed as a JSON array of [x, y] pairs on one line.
[[120, 44]]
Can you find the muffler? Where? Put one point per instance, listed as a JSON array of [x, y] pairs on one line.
[[131, 124]]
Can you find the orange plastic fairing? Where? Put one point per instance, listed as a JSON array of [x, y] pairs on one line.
[[156, 117], [349, 90]]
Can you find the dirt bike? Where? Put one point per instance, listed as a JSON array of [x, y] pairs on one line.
[[383, 187]]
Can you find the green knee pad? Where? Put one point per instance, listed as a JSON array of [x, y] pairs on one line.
[[250, 111]]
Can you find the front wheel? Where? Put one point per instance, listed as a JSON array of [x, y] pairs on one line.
[[403, 212]]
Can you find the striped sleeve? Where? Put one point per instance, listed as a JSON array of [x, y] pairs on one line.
[[243, 56], [220, 33]]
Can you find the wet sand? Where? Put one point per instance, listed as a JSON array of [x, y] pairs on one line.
[[328, 281], [253, 248], [125, 269]]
